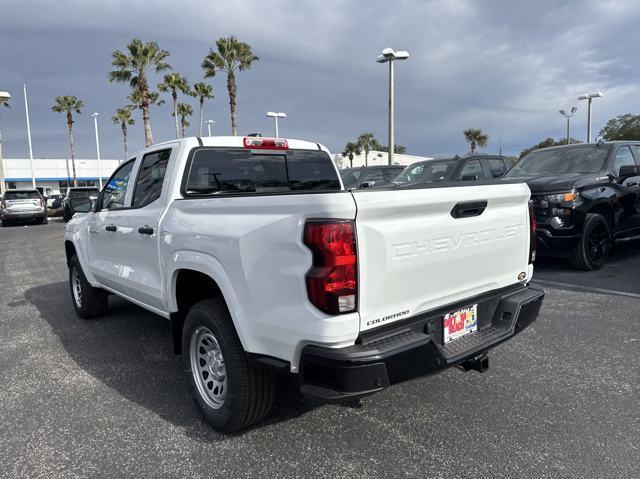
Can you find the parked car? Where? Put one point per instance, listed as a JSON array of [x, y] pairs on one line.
[[467, 168], [368, 176], [584, 196], [82, 196], [261, 263], [54, 200], [24, 205]]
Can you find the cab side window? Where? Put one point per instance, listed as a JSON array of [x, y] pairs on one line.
[[623, 157], [373, 176], [497, 167], [472, 171], [150, 178], [115, 190]]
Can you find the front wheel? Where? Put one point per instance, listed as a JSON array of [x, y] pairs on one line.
[[230, 392], [89, 302], [593, 248]]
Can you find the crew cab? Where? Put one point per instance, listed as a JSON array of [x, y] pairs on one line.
[[263, 262], [585, 196]]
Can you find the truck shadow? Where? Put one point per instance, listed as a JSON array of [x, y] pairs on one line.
[[130, 351]]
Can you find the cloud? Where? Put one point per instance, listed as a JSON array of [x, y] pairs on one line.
[[502, 66]]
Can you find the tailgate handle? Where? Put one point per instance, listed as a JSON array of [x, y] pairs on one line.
[[467, 209]]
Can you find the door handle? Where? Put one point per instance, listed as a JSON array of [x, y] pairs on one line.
[[466, 209], [111, 228], [145, 230]]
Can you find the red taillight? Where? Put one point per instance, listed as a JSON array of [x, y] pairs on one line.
[[332, 282], [258, 143], [533, 226]]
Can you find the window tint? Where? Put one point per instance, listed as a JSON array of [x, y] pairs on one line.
[[114, 191], [237, 171], [22, 195], [374, 175], [150, 178], [570, 159], [350, 176], [311, 170], [471, 171], [389, 174], [497, 167], [83, 193], [623, 157]]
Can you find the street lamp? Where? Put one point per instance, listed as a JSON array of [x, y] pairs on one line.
[[275, 115], [95, 123], [209, 123], [5, 96], [589, 96], [389, 56], [568, 117]]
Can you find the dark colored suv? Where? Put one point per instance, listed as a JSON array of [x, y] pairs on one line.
[[467, 168], [584, 197], [368, 176]]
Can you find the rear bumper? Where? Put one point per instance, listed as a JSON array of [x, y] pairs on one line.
[[414, 348], [23, 215]]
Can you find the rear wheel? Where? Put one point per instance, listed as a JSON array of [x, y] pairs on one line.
[[591, 252], [230, 392], [89, 302]]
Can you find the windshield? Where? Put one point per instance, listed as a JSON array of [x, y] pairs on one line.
[[428, 171], [585, 159], [350, 176], [21, 195]]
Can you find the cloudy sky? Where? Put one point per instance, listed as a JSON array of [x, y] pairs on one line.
[[503, 66]]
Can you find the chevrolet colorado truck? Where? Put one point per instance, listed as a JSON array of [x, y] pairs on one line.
[[585, 197], [263, 262]]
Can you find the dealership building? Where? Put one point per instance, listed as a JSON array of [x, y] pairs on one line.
[[53, 176]]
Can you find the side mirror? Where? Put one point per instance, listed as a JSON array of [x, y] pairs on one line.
[[367, 184], [81, 205], [629, 170]]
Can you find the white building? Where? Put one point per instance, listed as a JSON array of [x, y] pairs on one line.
[[376, 158], [54, 175]]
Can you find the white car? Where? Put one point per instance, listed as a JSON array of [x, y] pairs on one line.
[[263, 262]]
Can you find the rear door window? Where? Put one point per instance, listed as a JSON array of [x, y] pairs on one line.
[[497, 166], [623, 157], [472, 171]]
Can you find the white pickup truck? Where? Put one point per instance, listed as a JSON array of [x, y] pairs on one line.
[[264, 262]]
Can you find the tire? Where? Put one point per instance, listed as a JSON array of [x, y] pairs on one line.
[[595, 243], [5, 223], [230, 393], [44, 221], [89, 302]]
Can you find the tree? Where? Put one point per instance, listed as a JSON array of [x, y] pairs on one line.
[[174, 83], [475, 138], [204, 92], [623, 127], [231, 55], [69, 105], [399, 149], [546, 144], [123, 118], [184, 110], [133, 67], [350, 150], [367, 142]]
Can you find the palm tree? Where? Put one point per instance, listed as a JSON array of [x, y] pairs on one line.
[[184, 110], [174, 82], [133, 67], [367, 142], [69, 104], [203, 91], [123, 118], [476, 138], [231, 55], [350, 150]]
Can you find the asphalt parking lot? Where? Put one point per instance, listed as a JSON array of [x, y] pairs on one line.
[[107, 397]]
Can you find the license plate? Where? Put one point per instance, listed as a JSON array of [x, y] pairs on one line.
[[460, 323]]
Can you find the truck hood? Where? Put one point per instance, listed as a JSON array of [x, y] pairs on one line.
[[560, 181]]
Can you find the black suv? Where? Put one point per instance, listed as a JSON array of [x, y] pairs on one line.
[[584, 197]]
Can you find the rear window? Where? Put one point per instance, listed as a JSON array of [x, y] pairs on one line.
[[229, 171], [21, 195]]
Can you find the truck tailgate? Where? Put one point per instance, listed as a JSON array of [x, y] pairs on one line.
[[420, 249]]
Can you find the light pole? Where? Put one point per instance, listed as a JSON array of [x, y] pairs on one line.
[[26, 111], [209, 123], [4, 98], [589, 97], [389, 56], [568, 117], [275, 115], [95, 124]]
